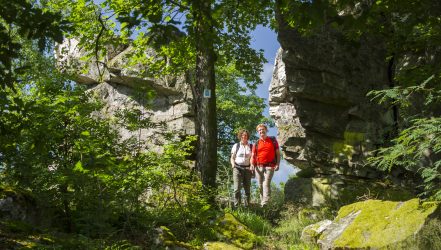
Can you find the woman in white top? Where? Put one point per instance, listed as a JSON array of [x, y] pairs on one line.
[[240, 162]]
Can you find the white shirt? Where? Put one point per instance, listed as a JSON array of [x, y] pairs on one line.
[[243, 155]]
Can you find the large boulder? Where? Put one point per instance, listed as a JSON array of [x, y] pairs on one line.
[[18, 205], [318, 100], [124, 87], [375, 224], [230, 232], [328, 126]]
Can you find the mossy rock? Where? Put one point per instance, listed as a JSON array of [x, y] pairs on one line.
[[232, 230], [336, 191], [17, 205], [231, 233], [311, 233], [167, 239], [220, 246], [376, 224]]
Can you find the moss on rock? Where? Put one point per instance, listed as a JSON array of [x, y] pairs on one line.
[[235, 232], [377, 224], [231, 233], [168, 239], [219, 246]]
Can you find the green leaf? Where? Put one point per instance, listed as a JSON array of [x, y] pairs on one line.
[[78, 167]]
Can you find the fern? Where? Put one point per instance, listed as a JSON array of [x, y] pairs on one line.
[[416, 149]]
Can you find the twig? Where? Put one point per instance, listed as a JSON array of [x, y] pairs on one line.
[[97, 42]]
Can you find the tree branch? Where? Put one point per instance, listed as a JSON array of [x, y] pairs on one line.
[[97, 42], [180, 5]]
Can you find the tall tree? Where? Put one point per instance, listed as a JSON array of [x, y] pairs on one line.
[[189, 35], [205, 90]]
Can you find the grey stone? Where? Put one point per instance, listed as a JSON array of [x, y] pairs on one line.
[[318, 101], [311, 232], [318, 98], [339, 189], [375, 224], [18, 207], [126, 88]]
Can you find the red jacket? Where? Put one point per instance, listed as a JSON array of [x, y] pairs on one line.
[[266, 151]]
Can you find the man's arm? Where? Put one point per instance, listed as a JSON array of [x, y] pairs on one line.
[[278, 160], [252, 159]]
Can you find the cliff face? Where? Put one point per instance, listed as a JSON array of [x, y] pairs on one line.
[[166, 100], [327, 126], [318, 99]]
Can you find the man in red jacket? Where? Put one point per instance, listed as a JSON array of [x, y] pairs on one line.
[[265, 159]]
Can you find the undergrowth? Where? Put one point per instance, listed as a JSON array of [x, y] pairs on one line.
[[284, 230]]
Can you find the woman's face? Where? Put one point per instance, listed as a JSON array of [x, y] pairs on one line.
[[244, 136]]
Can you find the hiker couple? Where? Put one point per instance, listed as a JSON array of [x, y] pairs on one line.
[[262, 158]]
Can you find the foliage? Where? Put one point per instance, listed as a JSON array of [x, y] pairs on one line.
[[416, 149], [57, 150], [291, 223], [53, 146], [237, 108], [23, 19], [253, 221], [16, 235], [186, 36], [57, 145], [417, 94], [169, 27]]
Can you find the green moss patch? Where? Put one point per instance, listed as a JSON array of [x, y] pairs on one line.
[[220, 246], [381, 223], [235, 232], [345, 148], [168, 239]]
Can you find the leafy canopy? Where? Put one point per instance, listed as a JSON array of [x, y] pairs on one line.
[[24, 19]]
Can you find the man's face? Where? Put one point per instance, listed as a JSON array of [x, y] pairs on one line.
[[262, 132]]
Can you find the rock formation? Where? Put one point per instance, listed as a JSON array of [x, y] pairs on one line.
[[327, 125], [375, 224], [165, 100]]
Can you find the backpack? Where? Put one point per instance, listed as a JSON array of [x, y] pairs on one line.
[[273, 140]]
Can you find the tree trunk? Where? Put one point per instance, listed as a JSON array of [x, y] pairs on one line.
[[205, 85]]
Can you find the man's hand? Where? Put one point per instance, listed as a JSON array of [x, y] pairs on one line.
[[276, 167]]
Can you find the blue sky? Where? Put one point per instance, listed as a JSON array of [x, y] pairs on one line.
[[266, 39]]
